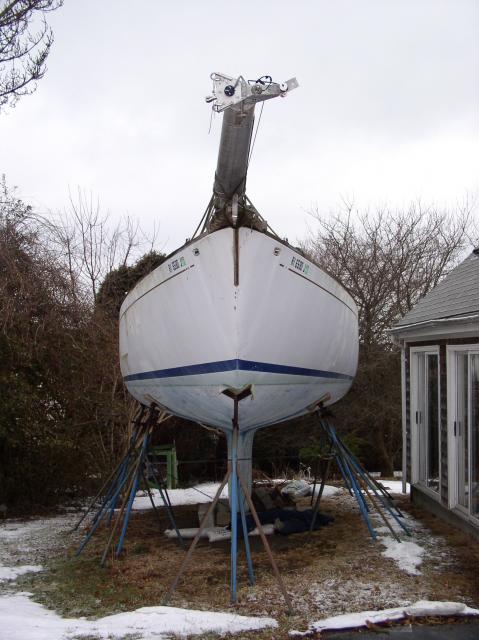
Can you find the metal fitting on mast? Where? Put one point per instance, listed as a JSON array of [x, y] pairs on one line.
[[236, 98]]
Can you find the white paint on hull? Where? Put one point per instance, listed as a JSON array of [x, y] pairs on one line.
[[187, 333]]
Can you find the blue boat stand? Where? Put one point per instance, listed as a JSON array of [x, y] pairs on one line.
[[360, 484], [125, 480]]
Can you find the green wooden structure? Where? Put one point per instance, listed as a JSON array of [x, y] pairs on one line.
[[158, 456]]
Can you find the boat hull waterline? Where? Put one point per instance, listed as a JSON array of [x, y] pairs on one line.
[[233, 308]]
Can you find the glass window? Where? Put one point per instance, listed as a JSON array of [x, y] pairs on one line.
[[474, 431], [427, 418], [461, 430], [466, 431], [432, 421]]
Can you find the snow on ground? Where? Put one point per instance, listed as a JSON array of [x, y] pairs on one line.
[[23, 619], [406, 554], [214, 534], [200, 494], [24, 545], [353, 590], [10, 573], [394, 486], [206, 492], [194, 495], [419, 609], [409, 552]]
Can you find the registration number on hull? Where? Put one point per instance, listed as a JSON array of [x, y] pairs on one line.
[[300, 265], [176, 264]]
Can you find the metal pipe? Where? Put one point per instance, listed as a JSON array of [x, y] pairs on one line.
[[234, 506], [102, 512], [133, 490], [378, 490], [325, 476], [117, 521]]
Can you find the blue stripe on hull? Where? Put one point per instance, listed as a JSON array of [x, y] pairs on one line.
[[235, 365]]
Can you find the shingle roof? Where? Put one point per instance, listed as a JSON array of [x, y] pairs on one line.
[[456, 295]]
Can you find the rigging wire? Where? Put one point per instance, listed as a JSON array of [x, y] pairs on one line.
[[211, 120], [256, 133]]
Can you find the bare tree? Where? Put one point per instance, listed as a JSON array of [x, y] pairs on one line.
[[90, 245], [25, 43], [387, 260], [64, 410]]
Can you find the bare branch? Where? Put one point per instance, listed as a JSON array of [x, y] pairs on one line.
[[25, 43], [388, 260]]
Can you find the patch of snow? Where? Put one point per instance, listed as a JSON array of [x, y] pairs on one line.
[[213, 534], [34, 536], [221, 533], [407, 554], [363, 618], [10, 573], [194, 495], [354, 620], [24, 545], [200, 494], [424, 608], [395, 486], [23, 619], [187, 533], [14, 530]]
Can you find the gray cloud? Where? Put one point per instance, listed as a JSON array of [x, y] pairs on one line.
[[387, 110]]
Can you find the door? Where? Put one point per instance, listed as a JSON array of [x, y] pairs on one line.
[[465, 431], [426, 418], [474, 433], [461, 429]]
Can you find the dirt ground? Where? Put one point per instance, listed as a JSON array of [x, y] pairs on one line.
[[337, 569]]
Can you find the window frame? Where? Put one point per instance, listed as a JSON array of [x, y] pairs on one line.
[[414, 431], [452, 444]]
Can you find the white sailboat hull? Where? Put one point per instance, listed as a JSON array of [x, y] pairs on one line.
[[237, 308]]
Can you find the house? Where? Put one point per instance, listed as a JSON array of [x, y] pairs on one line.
[[439, 339]]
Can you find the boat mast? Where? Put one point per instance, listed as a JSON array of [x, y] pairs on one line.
[[237, 98]]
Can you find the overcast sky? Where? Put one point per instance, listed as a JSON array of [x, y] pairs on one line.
[[387, 110]]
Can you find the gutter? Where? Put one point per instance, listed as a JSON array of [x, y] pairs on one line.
[[434, 322]]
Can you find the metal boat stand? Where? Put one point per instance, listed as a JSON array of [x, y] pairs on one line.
[[239, 497], [124, 482], [369, 494]]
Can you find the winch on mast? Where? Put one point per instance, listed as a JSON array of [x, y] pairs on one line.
[[236, 98]]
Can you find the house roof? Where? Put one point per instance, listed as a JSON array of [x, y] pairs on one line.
[[455, 296]]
